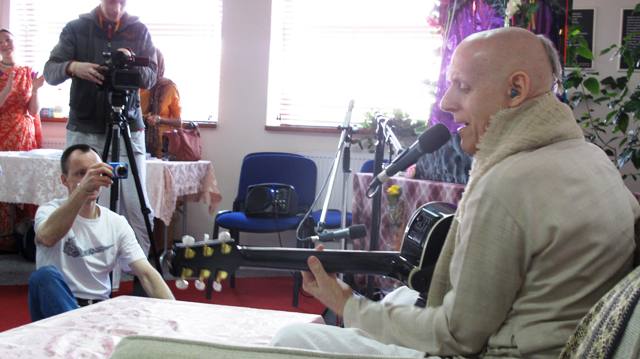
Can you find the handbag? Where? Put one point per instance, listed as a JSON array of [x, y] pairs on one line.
[[182, 144]]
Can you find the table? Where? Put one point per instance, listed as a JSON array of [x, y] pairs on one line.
[[95, 330], [394, 216], [34, 177]]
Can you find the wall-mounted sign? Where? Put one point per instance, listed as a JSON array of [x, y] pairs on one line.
[[585, 20], [631, 28]]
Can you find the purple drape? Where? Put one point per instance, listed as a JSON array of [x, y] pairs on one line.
[[474, 16]]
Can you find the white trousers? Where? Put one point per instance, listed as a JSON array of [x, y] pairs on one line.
[[328, 338]]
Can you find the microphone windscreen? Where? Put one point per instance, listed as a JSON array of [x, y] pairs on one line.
[[433, 138], [357, 231]]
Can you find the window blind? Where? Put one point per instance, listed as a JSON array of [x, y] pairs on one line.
[[380, 53]]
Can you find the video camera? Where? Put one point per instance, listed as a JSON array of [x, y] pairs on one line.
[[119, 74]]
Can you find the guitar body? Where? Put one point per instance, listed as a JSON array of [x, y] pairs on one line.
[[423, 240]]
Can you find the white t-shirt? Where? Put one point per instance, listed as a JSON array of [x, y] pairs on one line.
[[88, 252]]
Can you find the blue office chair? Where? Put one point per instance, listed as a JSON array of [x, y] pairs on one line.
[[270, 167]]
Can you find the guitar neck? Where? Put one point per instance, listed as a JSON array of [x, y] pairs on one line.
[[337, 261]]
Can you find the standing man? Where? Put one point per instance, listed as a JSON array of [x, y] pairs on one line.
[[79, 242], [79, 55], [544, 229]]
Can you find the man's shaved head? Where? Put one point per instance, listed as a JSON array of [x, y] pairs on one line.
[[505, 51], [494, 70]]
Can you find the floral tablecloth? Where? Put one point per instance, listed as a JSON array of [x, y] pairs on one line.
[[94, 331], [395, 211]]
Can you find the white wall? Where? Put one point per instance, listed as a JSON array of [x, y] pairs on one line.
[[4, 13]]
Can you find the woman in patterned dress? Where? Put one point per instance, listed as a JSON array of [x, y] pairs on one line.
[[18, 107]]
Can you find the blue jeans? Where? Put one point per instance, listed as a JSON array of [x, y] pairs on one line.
[[49, 295]]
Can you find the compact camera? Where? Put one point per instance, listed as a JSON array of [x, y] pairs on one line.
[[120, 170], [119, 74]]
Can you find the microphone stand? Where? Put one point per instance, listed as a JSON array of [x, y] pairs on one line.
[[376, 197], [384, 134], [344, 152]]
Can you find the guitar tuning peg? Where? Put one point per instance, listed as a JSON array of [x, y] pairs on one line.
[[182, 284], [217, 286], [189, 253], [207, 251], [224, 236], [199, 285], [222, 275], [187, 240], [225, 248]]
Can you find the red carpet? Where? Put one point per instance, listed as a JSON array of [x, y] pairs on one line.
[[265, 293]]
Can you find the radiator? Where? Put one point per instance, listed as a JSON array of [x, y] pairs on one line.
[[323, 162]]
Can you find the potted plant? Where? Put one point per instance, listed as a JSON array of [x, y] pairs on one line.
[[616, 130], [402, 125]]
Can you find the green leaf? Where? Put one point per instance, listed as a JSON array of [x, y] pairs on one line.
[[622, 122], [609, 81], [592, 85], [637, 8], [584, 52]]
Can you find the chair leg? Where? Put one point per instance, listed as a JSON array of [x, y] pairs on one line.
[[235, 234], [297, 277], [297, 285]]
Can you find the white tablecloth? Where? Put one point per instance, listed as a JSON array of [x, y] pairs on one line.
[[95, 330], [34, 177]]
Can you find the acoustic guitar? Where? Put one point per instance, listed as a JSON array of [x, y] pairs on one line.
[[210, 261]]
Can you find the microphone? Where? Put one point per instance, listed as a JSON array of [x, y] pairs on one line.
[[352, 232], [429, 141]]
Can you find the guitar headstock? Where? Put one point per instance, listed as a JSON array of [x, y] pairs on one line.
[[204, 261]]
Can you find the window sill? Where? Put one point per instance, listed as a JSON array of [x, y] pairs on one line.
[[310, 129], [203, 124], [54, 119]]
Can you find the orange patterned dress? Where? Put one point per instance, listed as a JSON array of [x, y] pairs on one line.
[[17, 132]]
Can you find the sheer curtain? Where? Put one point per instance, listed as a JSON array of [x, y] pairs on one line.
[[380, 53]]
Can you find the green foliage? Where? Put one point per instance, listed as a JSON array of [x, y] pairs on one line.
[[617, 130], [403, 126]]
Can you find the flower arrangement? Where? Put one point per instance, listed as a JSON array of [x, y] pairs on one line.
[[393, 193]]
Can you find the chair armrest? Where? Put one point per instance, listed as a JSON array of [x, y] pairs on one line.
[[147, 347]]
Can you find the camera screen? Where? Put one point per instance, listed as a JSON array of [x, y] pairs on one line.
[[126, 79]]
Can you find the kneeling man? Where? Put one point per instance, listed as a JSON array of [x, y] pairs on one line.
[[79, 242]]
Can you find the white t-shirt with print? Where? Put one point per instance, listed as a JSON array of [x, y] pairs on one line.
[[88, 252]]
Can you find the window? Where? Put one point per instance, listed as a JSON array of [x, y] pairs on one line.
[[380, 53], [188, 34]]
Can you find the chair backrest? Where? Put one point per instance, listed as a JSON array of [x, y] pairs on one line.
[[611, 329], [367, 166], [279, 167]]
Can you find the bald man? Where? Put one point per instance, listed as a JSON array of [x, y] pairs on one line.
[[545, 226]]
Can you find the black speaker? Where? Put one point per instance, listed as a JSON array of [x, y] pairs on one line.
[[271, 200]]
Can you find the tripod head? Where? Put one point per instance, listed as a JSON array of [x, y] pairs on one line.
[[119, 103]]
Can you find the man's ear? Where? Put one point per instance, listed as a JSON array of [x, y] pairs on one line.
[[519, 89], [63, 179]]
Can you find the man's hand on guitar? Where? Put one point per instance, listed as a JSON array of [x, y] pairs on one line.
[[325, 287]]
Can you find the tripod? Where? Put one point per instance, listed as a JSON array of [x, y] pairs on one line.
[[119, 126]]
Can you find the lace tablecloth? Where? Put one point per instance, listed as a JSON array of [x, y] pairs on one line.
[[95, 330], [34, 177], [394, 216]]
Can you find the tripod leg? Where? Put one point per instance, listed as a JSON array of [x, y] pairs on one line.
[[124, 131]]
